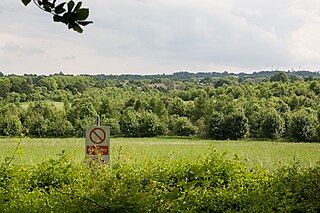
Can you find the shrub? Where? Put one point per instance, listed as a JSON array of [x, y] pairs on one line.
[[210, 183]]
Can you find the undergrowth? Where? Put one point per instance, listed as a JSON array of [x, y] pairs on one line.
[[211, 183]]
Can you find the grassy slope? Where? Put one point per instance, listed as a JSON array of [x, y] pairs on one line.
[[58, 105], [268, 154]]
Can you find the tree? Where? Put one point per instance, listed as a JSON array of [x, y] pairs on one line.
[[201, 105], [215, 126], [150, 125], [303, 126], [37, 125], [60, 126], [71, 14], [39, 116], [114, 126], [177, 107], [182, 126], [82, 114], [10, 124], [235, 126], [280, 77], [5, 87], [157, 106], [272, 125], [129, 123]]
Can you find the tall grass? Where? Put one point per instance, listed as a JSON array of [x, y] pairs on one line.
[[138, 150]]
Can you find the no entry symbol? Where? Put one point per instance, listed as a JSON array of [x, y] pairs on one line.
[[98, 135]]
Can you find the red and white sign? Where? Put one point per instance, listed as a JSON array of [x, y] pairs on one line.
[[97, 135], [98, 144]]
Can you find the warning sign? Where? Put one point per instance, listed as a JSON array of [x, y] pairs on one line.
[[97, 150], [98, 143], [98, 135]]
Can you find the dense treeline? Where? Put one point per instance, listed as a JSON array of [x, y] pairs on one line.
[[279, 106]]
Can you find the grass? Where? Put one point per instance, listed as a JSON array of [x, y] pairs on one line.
[[138, 150], [58, 105]]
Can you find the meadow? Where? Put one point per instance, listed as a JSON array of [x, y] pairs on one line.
[[268, 154]]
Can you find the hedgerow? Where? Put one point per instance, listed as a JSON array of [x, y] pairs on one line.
[[211, 183]]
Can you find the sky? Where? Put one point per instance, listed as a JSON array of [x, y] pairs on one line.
[[163, 36]]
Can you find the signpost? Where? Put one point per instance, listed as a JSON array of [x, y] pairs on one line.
[[98, 144]]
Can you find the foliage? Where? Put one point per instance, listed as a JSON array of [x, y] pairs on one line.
[[182, 126], [134, 107], [10, 124], [233, 126], [210, 183], [71, 14], [215, 125], [272, 125], [150, 125], [280, 77], [303, 126]]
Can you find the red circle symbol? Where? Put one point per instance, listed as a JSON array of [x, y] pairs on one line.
[[98, 135]]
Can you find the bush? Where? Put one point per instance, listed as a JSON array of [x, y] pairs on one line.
[[209, 183]]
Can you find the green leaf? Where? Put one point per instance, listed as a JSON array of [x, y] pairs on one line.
[[57, 18], [85, 23], [59, 9], [70, 5], [26, 2], [78, 6], [82, 14], [47, 7], [77, 28]]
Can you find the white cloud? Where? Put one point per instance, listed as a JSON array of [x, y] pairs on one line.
[[140, 36]]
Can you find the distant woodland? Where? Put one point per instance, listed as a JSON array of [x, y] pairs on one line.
[[266, 105]]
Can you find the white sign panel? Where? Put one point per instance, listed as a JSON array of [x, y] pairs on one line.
[[98, 144]]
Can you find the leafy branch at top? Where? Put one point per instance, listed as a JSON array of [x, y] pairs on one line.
[[71, 14]]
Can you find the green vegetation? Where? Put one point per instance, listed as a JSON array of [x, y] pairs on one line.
[[206, 182], [266, 154], [282, 106], [70, 14], [191, 118]]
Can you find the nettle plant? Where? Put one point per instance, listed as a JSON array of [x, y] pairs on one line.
[[71, 14]]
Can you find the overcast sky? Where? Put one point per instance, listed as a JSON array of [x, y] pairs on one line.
[[163, 36]]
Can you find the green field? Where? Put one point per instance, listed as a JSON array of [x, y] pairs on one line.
[[137, 150], [58, 105]]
